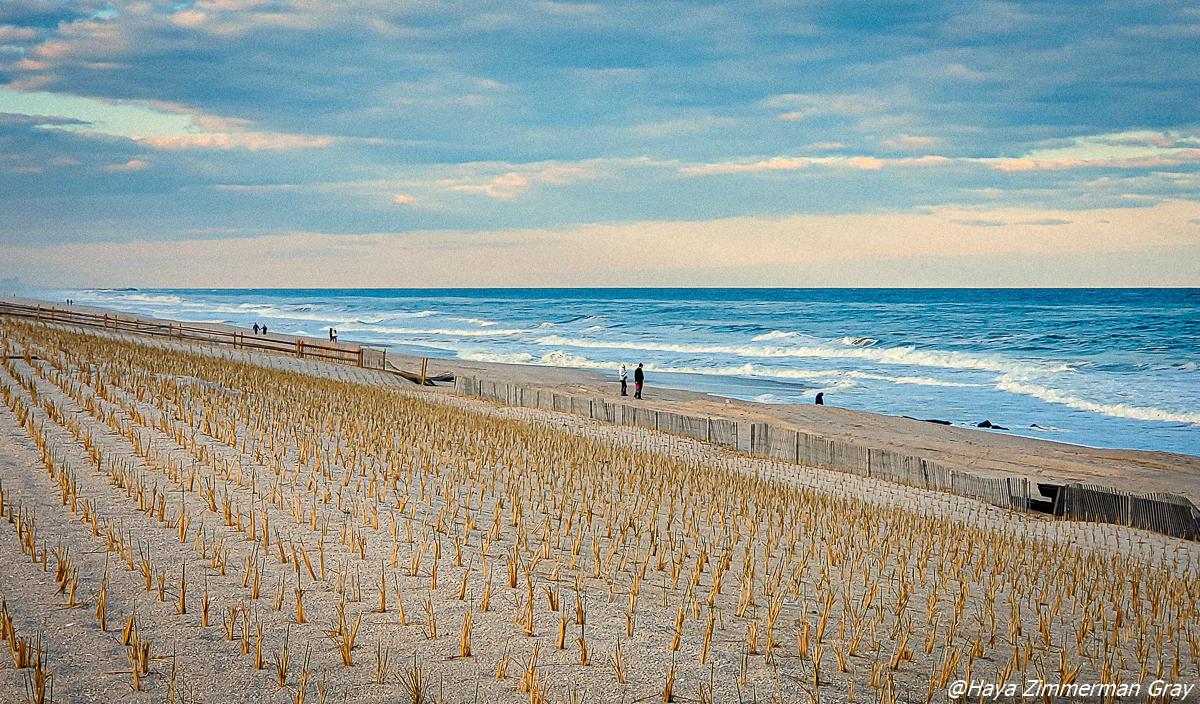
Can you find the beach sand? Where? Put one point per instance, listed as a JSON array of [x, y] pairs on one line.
[[729, 577]]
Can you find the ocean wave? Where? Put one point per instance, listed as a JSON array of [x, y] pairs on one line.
[[859, 341], [499, 357], [474, 321], [1116, 410], [440, 332], [914, 380], [122, 295], [832, 378], [907, 356], [774, 335]]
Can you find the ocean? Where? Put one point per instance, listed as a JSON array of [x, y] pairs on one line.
[[1097, 367]]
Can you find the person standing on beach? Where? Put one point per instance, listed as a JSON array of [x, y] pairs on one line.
[[639, 378], [820, 398], [256, 328], [624, 384]]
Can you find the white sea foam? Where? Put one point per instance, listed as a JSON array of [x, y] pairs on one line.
[[475, 321], [774, 335], [907, 356], [915, 380], [440, 332], [859, 341], [833, 378], [1116, 410], [499, 357], [126, 296]]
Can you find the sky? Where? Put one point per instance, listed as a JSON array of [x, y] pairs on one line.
[[252, 143]]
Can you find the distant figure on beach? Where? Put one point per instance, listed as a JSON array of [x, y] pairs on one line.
[[264, 328], [639, 378], [332, 335], [820, 398], [624, 381], [256, 328]]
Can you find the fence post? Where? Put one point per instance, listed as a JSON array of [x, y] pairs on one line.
[[300, 348], [360, 355]]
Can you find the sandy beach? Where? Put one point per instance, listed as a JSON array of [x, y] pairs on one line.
[[271, 528]]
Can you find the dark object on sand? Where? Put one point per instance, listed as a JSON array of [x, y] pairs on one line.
[[930, 420], [989, 425], [820, 398]]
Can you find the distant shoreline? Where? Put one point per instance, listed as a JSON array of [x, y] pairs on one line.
[[979, 450]]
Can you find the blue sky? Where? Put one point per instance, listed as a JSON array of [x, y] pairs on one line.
[[1008, 140]]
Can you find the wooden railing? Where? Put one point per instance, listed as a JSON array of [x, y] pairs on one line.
[[1163, 513], [299, 347]]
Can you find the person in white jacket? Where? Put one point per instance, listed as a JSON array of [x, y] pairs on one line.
[[624, 384]]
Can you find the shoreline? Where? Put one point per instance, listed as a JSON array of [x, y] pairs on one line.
[[978, 450]]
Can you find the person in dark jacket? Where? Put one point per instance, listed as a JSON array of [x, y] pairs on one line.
[[820, 398], [639, 378]]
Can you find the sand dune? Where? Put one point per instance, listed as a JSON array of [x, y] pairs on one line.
[[198, 524]]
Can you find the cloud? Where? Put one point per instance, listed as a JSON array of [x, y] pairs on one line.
[[910, 142], [154, 124], [404, 199], [939, 247], [127, 167], [9, 33], [784, 163], [250, 141], [802, 106], [507, 181], [505, 186], [1046, 221], [778, 163], [503, 116]]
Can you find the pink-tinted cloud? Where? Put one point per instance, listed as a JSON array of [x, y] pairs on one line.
[[9, 33], [248, 141]]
